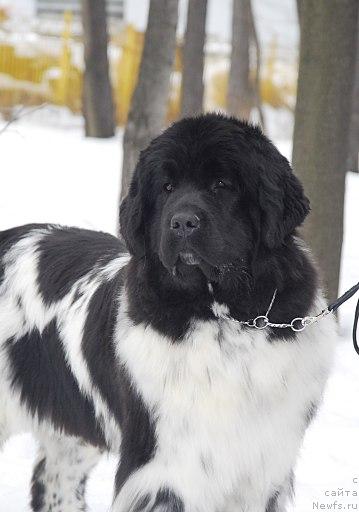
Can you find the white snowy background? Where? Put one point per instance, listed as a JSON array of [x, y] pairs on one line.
[[51, 173]]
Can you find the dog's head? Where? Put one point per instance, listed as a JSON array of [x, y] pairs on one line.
[[207, 194]]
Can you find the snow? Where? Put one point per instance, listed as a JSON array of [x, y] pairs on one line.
[[54, 174], [50, 172]]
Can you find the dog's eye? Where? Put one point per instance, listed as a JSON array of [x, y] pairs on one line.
[[168, 187], [221, 184]]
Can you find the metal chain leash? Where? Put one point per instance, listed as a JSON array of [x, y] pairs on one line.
[[262, 321], [298, 324]]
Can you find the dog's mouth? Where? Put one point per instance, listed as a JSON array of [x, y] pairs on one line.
[[189, 258], [189, 262]]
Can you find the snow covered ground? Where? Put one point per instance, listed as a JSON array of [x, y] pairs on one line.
[[51, 173]]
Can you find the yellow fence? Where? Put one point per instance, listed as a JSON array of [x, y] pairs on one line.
[[126, 71], [56, 79], [36, 78], [39, 78]]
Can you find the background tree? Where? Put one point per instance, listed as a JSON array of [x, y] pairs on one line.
[[257, 85], [299, 11], [243, 93], [352, 164], [97, 92], [148, 107], [326, 71], [240, 92], [193, 58]]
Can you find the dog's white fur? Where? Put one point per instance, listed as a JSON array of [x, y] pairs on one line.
[[185, 385], [209, 447]]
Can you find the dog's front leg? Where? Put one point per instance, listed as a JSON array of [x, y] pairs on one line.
[[145, 489], [60, 474]]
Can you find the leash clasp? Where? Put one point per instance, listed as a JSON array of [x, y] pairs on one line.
[[300, 323]]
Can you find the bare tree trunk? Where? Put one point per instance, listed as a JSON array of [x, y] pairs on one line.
[[240, 92], [299, 11], [193, 58], [326, 72], [352, 163], [257, 84], [149, 102], [97, 93]]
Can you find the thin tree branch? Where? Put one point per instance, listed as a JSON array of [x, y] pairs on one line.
[[23, 112]]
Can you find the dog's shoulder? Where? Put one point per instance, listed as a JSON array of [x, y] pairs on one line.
[[67, 254]]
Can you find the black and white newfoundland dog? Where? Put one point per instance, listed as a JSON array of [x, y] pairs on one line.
[[142, 350]]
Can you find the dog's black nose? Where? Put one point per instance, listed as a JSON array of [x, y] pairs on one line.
[[184, 224]]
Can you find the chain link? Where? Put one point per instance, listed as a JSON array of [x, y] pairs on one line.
[[298, 324]]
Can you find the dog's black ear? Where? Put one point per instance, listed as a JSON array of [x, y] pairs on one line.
[[281, 197], [131, 219]]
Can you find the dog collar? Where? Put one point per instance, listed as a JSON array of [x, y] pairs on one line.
[[298, 324]]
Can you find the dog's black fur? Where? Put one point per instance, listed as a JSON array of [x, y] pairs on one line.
[[249, 203]]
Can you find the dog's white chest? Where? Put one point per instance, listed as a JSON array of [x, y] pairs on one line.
[[230, 406]]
